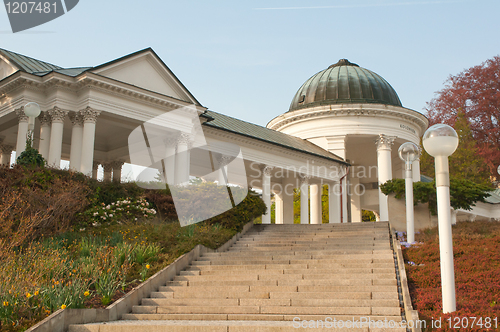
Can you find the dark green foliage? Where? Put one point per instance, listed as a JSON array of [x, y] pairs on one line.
[[368, 216], [250, 208], [30, 156], [463, 193], [108, 192]]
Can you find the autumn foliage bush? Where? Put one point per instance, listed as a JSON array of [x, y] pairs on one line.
[[37, 201], [476, 247]]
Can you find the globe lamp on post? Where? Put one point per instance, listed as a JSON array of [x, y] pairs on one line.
[[440, 141], [409, 152], [32, 110]]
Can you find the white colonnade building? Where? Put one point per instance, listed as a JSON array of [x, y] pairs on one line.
[[88, 114]]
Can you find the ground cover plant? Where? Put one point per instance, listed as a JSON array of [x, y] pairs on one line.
[[476, 247], [67, 241]]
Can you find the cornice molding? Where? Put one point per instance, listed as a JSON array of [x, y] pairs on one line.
[[93, 82], [320, 112], [268, 147]]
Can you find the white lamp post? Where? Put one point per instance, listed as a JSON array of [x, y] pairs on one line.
[[32, 110], [409, 152], [440, 141]]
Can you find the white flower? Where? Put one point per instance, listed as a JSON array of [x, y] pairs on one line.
[[111, 215], [108, 207], [96, 213], [113, 204], [82, 229], [136, 219]]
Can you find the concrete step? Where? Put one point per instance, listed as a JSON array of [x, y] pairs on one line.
[[222, 326], [298, 302]]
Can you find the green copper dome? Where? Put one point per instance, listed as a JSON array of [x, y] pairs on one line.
[[344, 83]]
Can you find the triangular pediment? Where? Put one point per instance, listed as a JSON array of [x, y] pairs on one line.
[[146, 70], [6, 69]]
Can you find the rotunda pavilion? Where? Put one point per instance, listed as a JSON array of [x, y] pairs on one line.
[[355, 114]]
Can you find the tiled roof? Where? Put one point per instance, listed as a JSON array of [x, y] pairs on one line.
[[28, 64], [73, 72], [227, 123]]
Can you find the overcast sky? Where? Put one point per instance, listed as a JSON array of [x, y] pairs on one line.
[[248, 58]]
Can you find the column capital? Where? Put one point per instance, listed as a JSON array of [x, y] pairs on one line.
[[107, 166], [170, 142], [45, 119], [57, 115], [184, 138], [267, 170], [223, 160], [117, 164], [76, 119], [22, 117], [6, 148], [384, 142], [89, 114], [304, 179]]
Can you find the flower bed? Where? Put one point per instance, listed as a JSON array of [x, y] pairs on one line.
[[476, 248]]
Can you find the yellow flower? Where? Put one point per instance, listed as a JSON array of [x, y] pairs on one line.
[[5, 303], [87, 293], [147, 266], [63, 306], [28, 295], [36, 293]]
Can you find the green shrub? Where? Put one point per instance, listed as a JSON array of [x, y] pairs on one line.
[[463, 193], [30, 157]]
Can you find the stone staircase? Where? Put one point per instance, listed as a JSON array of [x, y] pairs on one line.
[[331, 277]]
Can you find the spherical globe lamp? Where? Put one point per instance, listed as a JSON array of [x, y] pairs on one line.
[[32, 110], [408, 152], [440, 140]]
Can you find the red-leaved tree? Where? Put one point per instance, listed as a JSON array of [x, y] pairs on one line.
[[475, 92]]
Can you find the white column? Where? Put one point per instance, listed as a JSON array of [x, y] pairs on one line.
[[304, 201], [182, 159], [22, 131], [278, 208], [57, 116], [45, 124], [117, 170], [316, 217], [384, 168], [453, 216], [266, 193], [287, 194], [356, 211], [334, 203], [169, 161], [107, 171], [75, 156], [416, 170], [95, 168], [344, 196], [89, 123], [6, 153]]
